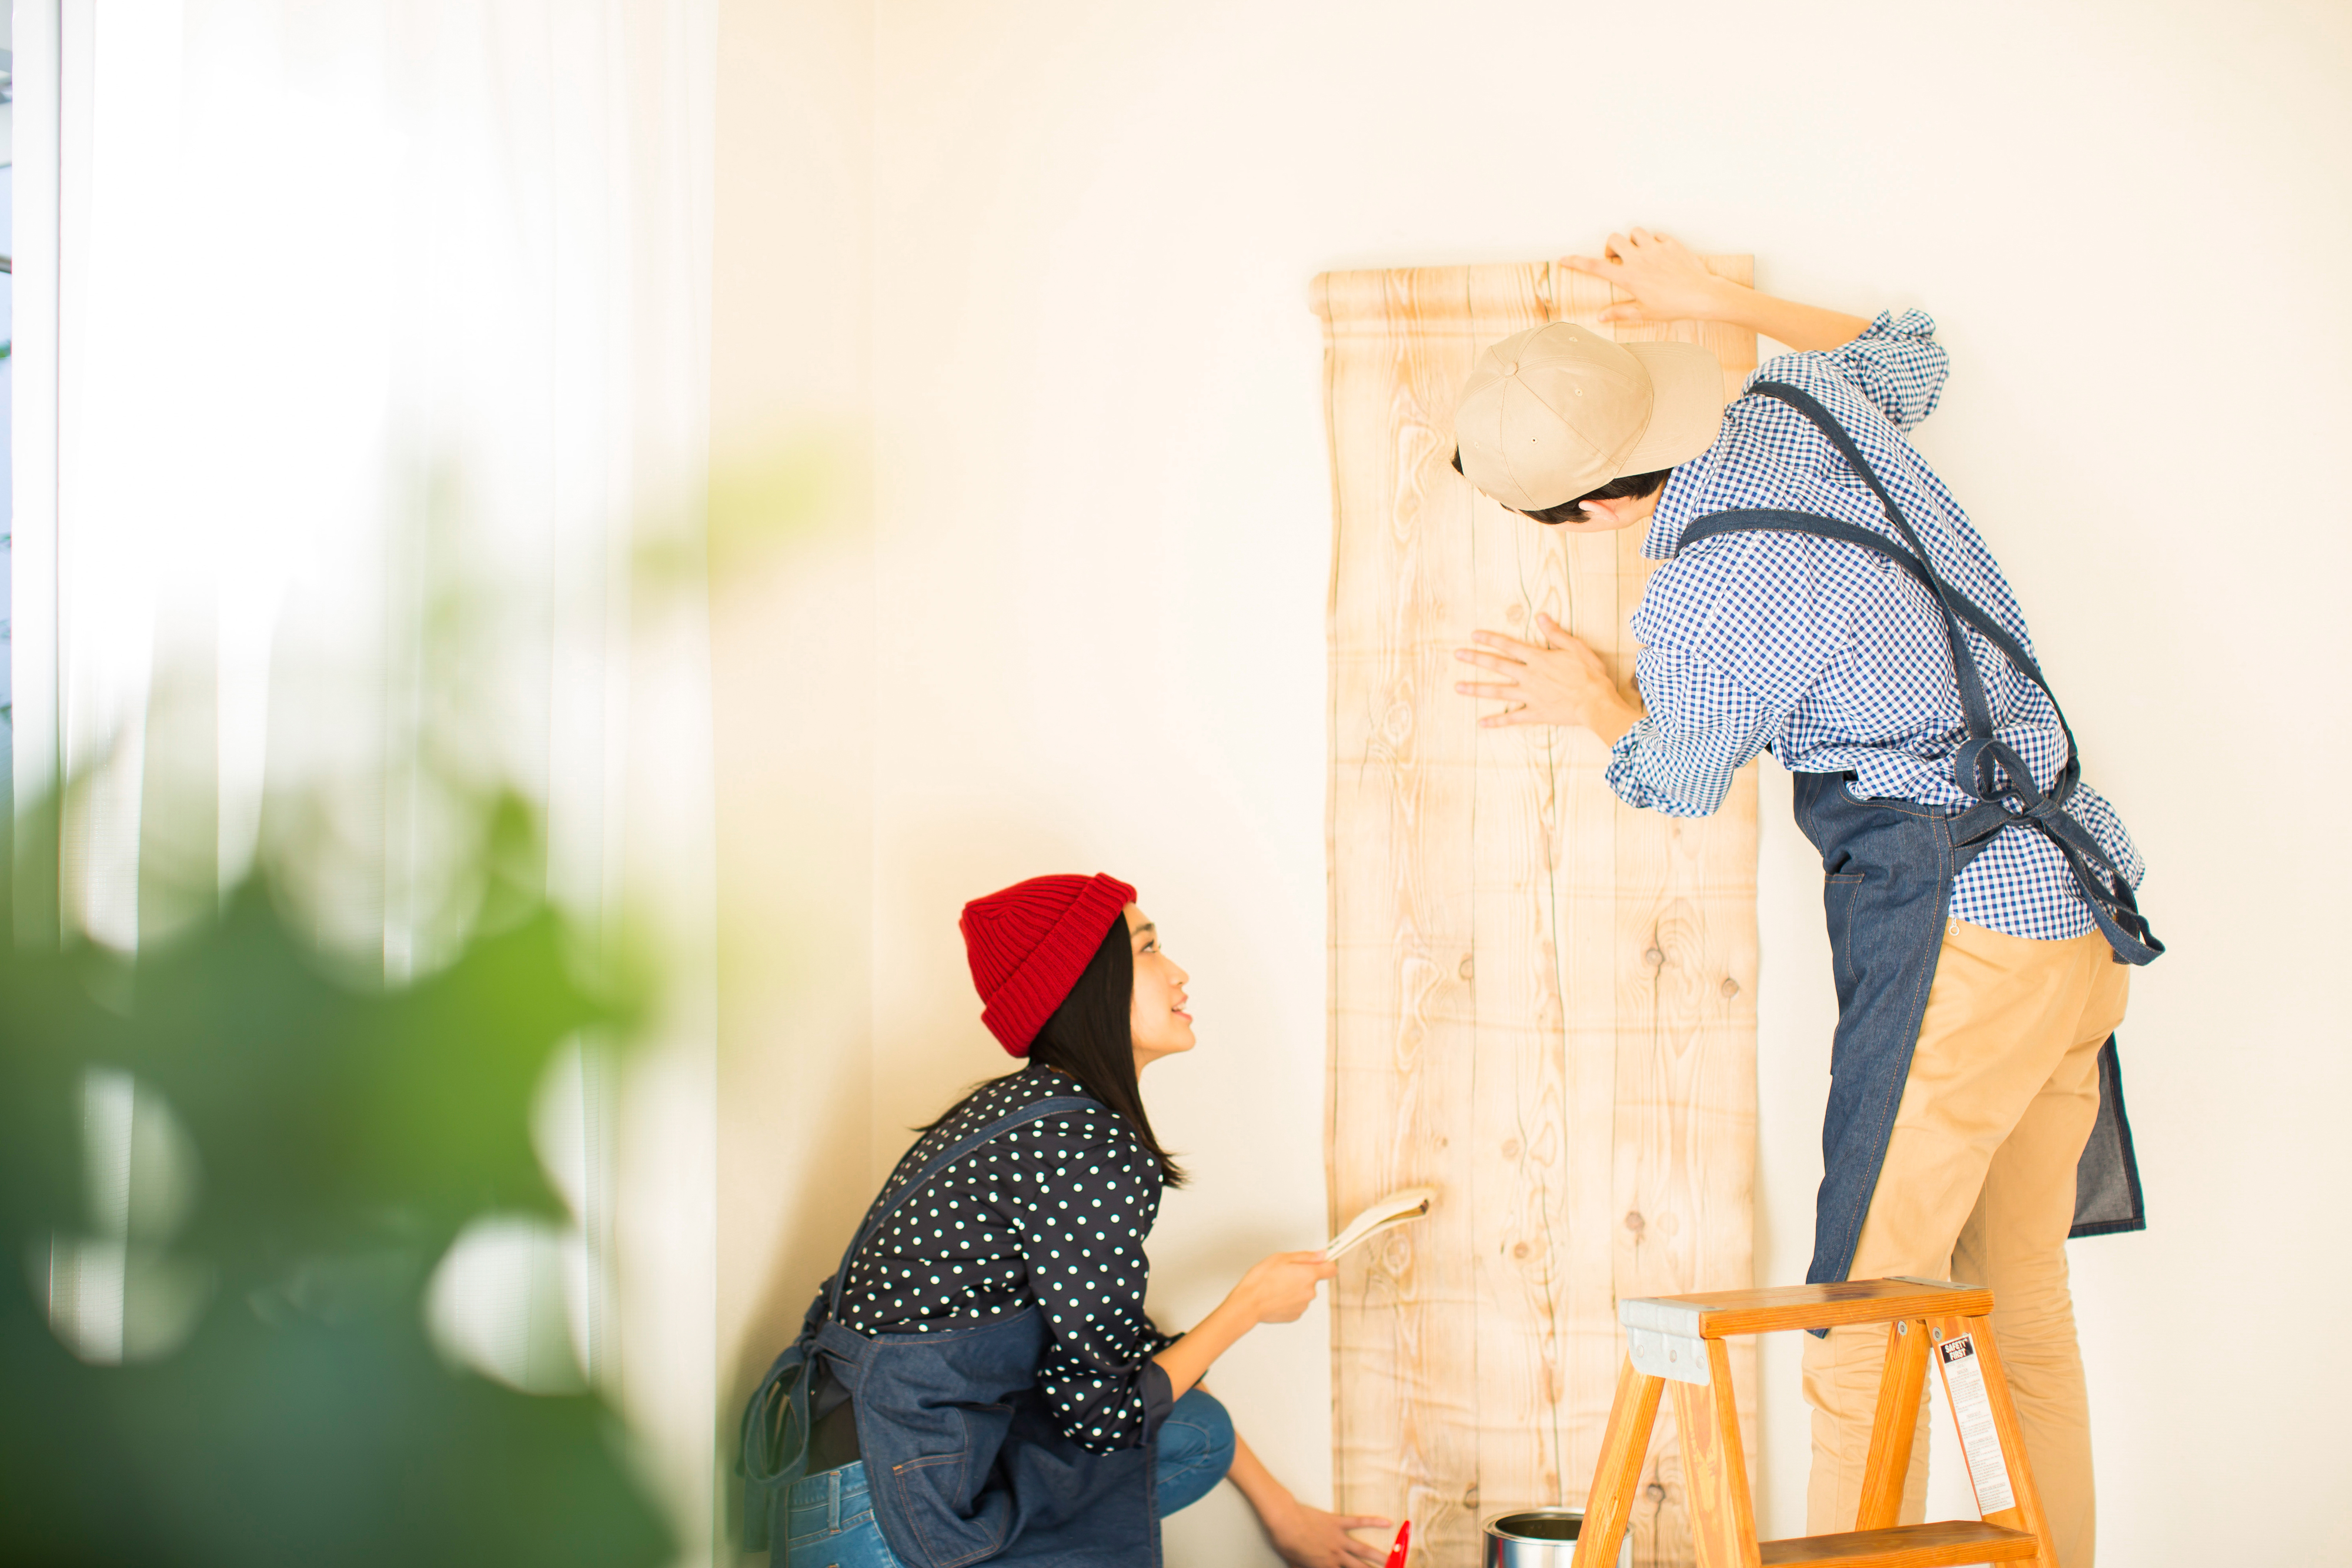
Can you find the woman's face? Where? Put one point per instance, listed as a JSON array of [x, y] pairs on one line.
[[1157, 1020]]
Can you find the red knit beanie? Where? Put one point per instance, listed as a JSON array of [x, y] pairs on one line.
[[1029, 943]]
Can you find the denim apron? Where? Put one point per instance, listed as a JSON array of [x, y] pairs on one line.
[[964, 1457], [1888, 867]]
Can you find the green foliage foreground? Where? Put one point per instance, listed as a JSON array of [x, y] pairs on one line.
[[343, 1136]]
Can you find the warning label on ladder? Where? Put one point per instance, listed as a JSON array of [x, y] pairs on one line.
[[1972, 1412]]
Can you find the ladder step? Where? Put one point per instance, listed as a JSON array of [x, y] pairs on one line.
[[1717, 1313], [1949, 1544]]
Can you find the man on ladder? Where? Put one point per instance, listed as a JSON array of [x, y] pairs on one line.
[[1825, 598]]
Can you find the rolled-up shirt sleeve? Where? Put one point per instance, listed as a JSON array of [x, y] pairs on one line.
[[1733, 634], [1088, 1271], [1700, 730], [1896, 363]]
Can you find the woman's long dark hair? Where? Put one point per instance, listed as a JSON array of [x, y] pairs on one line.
[[1089, 1038]]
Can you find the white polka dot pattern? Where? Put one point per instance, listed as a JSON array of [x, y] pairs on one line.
[[1055, 1213]]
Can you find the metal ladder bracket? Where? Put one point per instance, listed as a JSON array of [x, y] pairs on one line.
[[1661, 1339]]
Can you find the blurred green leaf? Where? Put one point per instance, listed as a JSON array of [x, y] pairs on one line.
[[396, 1113], [346, 1442], [341, 1136]]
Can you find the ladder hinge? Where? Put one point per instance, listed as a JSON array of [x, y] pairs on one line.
[[1663, 1340]]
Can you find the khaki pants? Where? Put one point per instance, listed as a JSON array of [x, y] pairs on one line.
[[1978, 1185]]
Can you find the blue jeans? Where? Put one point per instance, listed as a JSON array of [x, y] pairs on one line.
[[829, 1518], [1195, 1446]]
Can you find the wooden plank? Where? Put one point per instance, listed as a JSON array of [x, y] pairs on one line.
[[1543, 1372], [1479, 964], [1894, 1424], [1623, 1445], [1683, 968], [1582, 570], [1775, 1309], [1402, 1014], [1722, 1508], [1952, 1543]]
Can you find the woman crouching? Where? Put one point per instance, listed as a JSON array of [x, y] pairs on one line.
[[978, 1383]]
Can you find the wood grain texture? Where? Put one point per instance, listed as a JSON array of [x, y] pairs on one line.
[[1404, 791], [1777, 1308], [1723, 1512], [1685, 973], [1541, 1002], [1894, 1425], [1953, 1544], [1623, 1445]]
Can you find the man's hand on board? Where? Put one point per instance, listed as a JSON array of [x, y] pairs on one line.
[[1555, 680]]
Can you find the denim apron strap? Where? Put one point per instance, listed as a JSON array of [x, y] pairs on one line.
[[1983, 757], [1887, 868], [775, 1432], [884, 1206]]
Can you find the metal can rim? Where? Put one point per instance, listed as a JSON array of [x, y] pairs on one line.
[[1493, 1527]]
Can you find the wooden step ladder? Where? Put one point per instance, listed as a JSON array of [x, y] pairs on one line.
[[1678, 1340]]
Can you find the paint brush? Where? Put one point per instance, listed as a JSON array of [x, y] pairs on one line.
[[1408, 1204]]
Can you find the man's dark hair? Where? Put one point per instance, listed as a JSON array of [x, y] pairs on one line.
[[1630, 488], [1089, 1036]]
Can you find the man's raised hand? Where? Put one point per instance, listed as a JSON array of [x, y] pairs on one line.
[[1668, 283]]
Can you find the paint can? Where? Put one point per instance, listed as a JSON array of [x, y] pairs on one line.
[[1541, 1538]]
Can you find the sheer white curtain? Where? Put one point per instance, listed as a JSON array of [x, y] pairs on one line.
[[359, 439]]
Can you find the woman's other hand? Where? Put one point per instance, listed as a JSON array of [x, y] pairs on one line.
[[1279, 1289], [1310, 1538], [1668, 283], [1306, 1537]]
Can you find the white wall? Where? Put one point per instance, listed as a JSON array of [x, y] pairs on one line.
[[1101, 544], [791, 607]]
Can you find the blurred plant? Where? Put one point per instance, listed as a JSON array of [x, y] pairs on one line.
[[227, 1172]]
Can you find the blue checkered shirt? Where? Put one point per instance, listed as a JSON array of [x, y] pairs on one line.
[[1828, 656]]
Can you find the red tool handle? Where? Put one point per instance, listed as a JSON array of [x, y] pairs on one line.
[[1398, 1553]]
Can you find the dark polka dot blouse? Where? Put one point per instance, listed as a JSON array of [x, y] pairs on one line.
[[1054, 1211]]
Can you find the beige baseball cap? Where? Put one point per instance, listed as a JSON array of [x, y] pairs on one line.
[[1555, 413]]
